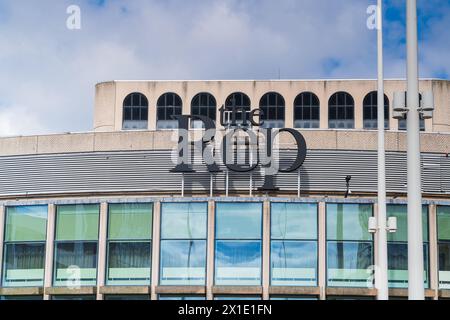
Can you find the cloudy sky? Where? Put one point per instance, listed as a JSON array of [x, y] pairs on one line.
[[48, 72]]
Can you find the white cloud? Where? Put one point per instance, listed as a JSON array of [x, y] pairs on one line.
[[48, 73]]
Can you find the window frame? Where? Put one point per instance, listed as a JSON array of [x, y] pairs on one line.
[[128, 241], [300, 107], [143, 108], [333, 123], [295, 240], [249, 240], [56, 242], [278, 108], [173, 240], [5, 243]]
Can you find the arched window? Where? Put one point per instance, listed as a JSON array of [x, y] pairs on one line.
[[402, 122], [203, 104], [135, 112], [169, 104], [370, 111], [307, 111], [239, 101], [273, 106], [341, 111]]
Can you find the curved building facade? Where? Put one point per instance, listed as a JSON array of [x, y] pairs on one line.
[[103, 215]]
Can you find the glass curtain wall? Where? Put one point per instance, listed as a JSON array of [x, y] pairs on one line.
[[24, 246], [129, 243], [183, 243], [294, 244], [76, 242], [349, 245], [398, 247], [238, 244], [443, 227]]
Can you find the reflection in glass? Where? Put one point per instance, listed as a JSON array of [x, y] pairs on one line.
[[238, 263], [444, 265], [24, 246], [348, 221], [443, 225], [398, 247], [294, 221], [183, 262], [294, 263], [129, 263], [183, 220], [129, 243], [238, 220], [24, 264], [398, 265], [294, 244], [75, 264], [183, 243], [348, 264], [75, 257]]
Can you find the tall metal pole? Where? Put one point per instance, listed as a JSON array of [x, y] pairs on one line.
[[381, 272], [415, 242]]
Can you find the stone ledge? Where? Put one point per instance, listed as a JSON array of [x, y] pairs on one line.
[[351, 292], [31, 291], [116, 290], [285, 290], [429, 293], [237, 290], [180, 290], [57, 291]]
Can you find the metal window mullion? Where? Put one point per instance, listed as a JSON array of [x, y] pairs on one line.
[[50, 248], [210, 250], [2, 236], [433, 250], [155, 249], [101, 248]]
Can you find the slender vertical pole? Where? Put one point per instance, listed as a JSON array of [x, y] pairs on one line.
[[2, 235], [415, 242], [101, 265], [49, 247], [381, 272]]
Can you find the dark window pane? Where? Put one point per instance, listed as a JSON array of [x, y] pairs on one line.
[[129, 263], [75, 263], [24, 265], [348, 264]]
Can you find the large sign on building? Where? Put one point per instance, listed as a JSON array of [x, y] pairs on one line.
[[258, 145]]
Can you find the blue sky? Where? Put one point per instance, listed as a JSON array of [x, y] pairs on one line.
[[48, 72]]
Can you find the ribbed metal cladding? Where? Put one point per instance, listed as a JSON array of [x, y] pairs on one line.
[[149, 171]]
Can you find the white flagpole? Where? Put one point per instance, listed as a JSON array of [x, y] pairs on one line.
[[381, 272], [415, 239]]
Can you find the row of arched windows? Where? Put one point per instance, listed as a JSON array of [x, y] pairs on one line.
[[341, 110]]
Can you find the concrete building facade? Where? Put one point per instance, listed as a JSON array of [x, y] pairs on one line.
[[100, 215]]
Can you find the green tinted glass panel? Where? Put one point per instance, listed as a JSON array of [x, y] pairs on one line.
[[443, 217], [238, 220], [348, 221], [294, 221], [184, 220], [401, 212], [130, 221], [26, 223], [77, 222]]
